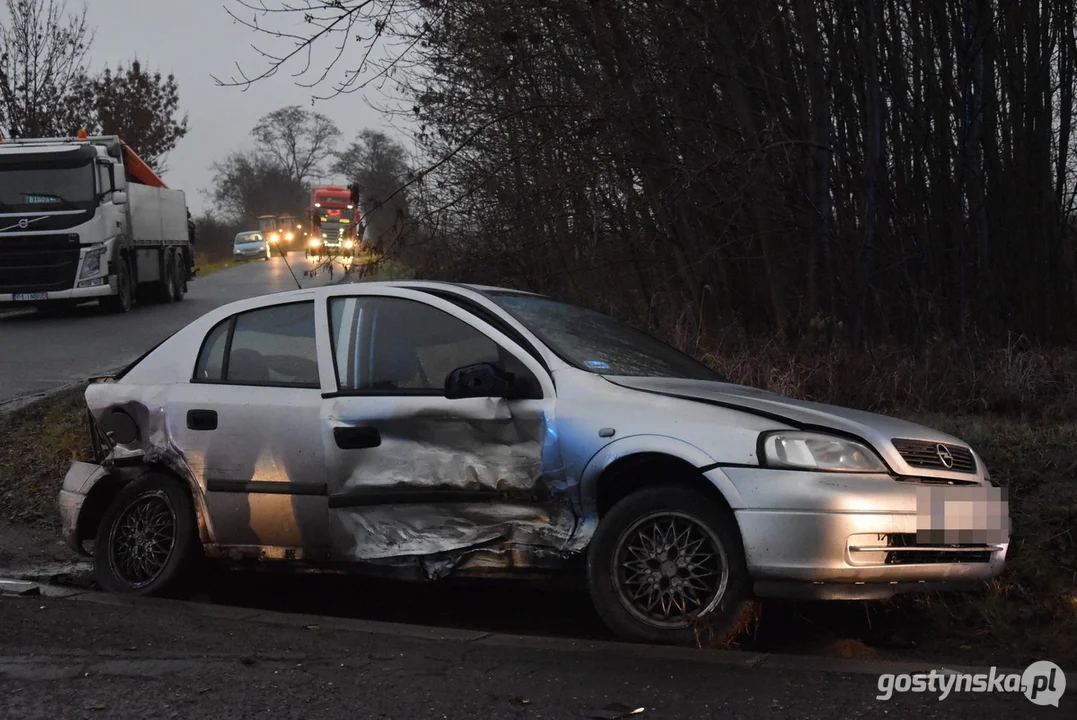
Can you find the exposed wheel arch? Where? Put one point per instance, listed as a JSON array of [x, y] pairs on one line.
[[105, 491], [607, 468], [630, 473]]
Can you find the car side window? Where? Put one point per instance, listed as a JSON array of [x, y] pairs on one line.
[[386, 344], [210, 366], [271, 346]]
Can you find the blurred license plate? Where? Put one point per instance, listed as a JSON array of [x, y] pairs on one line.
[[959, 515], [31, 296]]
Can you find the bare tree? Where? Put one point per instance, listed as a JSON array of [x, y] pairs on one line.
[[246, 185], [43, 85], [378, 165], [905, 169], [298, 141]]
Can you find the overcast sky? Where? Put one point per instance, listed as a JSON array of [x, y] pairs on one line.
[[196, 39]]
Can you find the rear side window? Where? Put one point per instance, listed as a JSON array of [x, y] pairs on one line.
[[271, 346], [211, 360]]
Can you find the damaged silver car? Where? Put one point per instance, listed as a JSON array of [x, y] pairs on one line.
[[426, 429]]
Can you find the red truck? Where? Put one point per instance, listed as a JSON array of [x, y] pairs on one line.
[[334, 221]]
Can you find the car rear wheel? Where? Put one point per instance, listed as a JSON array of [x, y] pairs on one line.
[[147, 541], [665, 566]]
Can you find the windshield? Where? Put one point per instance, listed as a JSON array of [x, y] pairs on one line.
[[28, 188], [248, 238], [597, 343]]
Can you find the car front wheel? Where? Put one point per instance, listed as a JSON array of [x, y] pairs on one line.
[[665, 566], [147, 541]]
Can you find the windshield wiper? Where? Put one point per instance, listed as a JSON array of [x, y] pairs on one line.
[[59, 198]]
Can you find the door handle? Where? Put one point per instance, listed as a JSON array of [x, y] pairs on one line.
[[357, 437], [201, 419]]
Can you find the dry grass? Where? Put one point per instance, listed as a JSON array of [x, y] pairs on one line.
[[37, 445], [205, 266], [943, 379], [1032, 606]]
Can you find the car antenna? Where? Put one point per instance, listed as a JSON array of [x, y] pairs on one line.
[[284, 256]]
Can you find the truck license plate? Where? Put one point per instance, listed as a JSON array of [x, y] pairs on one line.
[[31, 296]]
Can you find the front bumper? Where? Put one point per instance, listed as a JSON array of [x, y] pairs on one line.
[[80, 480], [835, 536], [72, 295]]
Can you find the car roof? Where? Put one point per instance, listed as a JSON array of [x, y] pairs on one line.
[[316, 293], [435, 284]]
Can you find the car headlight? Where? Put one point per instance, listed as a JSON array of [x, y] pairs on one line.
[[289, 236], [315, 242], [91, 263], [348, 244], [274, 237], [817, 451]]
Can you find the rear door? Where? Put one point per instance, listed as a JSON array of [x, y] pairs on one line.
[[412, 473], [248, 424]]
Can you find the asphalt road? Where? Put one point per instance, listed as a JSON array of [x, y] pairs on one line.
[[39, 352], [76, 659]]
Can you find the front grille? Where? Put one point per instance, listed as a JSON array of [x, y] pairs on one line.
[[929, 455], [38, 263], [913, 554]]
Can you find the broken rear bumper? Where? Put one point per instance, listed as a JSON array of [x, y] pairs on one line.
[[80, 479]]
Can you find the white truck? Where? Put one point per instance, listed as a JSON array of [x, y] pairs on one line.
[[84, 218]]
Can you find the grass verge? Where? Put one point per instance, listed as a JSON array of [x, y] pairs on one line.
[[1029, 613], [37, 445], [205, 267]]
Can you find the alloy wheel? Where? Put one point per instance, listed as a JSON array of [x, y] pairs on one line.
[[669, 568], [142, 539]]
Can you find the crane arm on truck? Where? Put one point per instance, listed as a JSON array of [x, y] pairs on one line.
[[135, 168], [138, 171]]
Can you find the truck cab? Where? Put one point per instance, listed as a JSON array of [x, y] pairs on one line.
[[333, 229], [85, 219]]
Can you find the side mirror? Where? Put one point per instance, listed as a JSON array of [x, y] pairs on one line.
[[119, 197], [481, 380]]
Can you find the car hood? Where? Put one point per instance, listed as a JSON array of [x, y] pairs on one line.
[[878, 430], [250, 245]]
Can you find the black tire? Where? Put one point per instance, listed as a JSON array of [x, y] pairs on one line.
[[179, 272], [154, 503], [124, 299], [714, 613], [166, 292]]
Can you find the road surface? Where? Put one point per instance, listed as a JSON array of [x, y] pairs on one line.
[[39, 352], [72, 658]]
